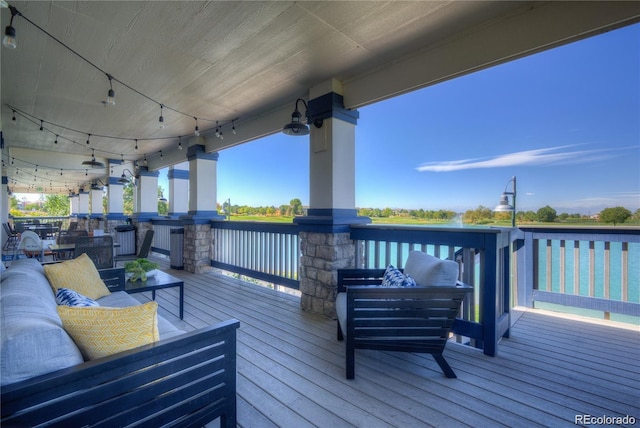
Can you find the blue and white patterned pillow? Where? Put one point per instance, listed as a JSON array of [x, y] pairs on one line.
[[394, 278], [68, 297]]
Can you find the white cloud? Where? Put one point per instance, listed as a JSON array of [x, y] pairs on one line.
[[527, 157]]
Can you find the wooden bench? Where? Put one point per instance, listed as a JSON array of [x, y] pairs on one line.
[[407, 319], [187, 380]]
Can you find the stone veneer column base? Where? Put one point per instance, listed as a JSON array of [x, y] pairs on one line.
[[322, 255], [197, 248]]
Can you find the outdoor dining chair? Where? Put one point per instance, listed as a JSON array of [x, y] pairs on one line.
[[145, 248], [12, 237], [98, 248]]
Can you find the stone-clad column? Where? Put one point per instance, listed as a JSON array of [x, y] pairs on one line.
[[202, 208], [322, 255], [324, 231]]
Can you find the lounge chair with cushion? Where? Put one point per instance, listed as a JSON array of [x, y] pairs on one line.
[[392, 310]]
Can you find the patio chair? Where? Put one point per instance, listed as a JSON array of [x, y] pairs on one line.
[[145, 248], [98, 248], [399, 318], [12, 237], [31, 245], [68, 238]]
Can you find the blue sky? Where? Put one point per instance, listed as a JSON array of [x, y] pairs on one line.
[[566, 122]]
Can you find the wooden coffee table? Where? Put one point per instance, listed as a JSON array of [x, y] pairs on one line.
[[157, 282]]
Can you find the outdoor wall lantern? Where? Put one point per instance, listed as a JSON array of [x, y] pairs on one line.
[[124, 180], [504, 205], [296, 127], [97, 185]]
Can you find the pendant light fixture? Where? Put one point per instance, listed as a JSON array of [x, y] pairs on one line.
[[196, 131], [93, 163], [111, 95], [161, 118], [9, 40]]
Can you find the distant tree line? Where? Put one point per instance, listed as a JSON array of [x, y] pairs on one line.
[[293, 209], [546, 214], [401, 212], [58, 205]]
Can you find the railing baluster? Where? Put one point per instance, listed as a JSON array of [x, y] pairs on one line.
[[563, 255], [576, 268], [625, 272], [592, 269]]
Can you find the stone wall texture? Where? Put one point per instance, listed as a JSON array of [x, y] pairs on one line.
[[322, 255], [198, 247]]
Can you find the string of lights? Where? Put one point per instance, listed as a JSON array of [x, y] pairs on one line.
[[10, 41], [52, 175]]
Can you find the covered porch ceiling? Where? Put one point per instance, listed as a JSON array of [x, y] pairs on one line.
[[246, 62]]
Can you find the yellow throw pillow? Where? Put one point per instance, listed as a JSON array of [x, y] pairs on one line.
[[79, 274], [100, 331]]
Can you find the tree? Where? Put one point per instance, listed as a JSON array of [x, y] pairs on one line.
[[479, 215], [127, 199], [56, 205], [296, 206], [163, 206], [614, 215], [546, 214]]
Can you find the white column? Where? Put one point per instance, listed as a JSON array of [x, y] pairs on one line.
[[147, 194], [331, 160], [202, 183], [178, 189], [83, 203], [96, 196], [115, 203], [74, 205]]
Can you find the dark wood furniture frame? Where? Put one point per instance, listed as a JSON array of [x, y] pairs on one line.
[[184, 381], [406, 319], [159, 281]]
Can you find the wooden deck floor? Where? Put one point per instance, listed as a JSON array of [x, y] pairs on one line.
[[291, 368]]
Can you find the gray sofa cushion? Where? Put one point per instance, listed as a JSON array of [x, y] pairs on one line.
[[32, 340]]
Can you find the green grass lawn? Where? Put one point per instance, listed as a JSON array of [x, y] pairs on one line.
[[419, 222]]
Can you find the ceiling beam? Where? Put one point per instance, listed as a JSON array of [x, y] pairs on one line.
[[528, 30]]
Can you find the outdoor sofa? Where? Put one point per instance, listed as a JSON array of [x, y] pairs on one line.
[[176, 379]]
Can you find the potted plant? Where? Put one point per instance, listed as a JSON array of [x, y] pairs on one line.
[[140, 269]]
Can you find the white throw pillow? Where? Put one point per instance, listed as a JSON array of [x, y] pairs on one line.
[[428, 270]]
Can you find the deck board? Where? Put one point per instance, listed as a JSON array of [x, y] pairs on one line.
[[291, 367]]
